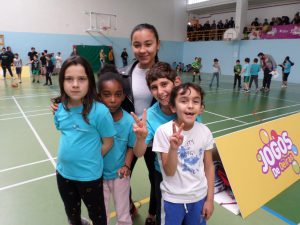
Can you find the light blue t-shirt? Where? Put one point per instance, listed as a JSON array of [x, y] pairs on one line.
[[287, 68], [124, 139], [79, 153], [155, 118], [254, 70], [246, 68]]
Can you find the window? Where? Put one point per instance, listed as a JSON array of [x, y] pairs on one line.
[[196, 1]]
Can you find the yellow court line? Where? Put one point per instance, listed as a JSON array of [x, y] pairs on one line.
[[137, 204]]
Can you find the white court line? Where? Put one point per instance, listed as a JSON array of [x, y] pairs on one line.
[[36, 134], [24, 165], [38, 110], [26, 182], [269, 118], [229, 118]]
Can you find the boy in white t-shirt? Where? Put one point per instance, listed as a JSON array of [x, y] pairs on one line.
[[186, 160]]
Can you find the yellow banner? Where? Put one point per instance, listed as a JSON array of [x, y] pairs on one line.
[[261, 161]]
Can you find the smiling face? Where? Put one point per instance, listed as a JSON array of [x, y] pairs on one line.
[[112, 95], [75, 84], [145, 47], [188, 106], [161, 90]]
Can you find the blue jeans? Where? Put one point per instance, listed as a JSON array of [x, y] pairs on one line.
[[213, 77]]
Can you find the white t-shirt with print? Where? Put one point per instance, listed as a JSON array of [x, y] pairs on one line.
[[189, 183]]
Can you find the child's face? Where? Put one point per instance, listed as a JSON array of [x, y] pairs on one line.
[[161, 90], [237, 63], [76, 84], [187, 107], [145, 47], [112, 95]]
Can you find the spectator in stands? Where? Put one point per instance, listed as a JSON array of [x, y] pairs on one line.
[[285, 20], [226, 25], [255, 23], [266, 22], [206, 27], [231, 23], [220, 26], [272, 23], [296, 19], [278, 21], [213, 32]]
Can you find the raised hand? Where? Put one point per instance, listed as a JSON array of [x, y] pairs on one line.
[[140, 127], [176, 139]]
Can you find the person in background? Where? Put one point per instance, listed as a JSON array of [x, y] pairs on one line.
[[268, 65], [237, 69], [18, 65], [216, 72], [124, 57], [254, 70], [286, 69]]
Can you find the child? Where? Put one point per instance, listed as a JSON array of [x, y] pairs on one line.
[[254, 70], [35, 65], [117, 162], [216, 72], [161, 79], [18, 65], [237, 74], [246, 73], [286, 69], [196, 65], [58, 60], [87, 132], [185, 157], [49, 70]]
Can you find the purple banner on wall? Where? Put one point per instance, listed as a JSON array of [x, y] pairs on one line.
[[291, 31]]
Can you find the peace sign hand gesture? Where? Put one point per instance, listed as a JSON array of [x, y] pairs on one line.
[[176, 139], [140, 127]]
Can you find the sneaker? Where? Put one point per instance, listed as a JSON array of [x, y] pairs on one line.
[[13, 78], [38, 81], [45, 84], [257, 90], [33, 80], [247, 91], [149, 221], [84, 221], [20, 81], [267, 90], [262, 89]]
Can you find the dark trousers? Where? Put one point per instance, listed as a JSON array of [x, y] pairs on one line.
[[194, 77], [90, 192], [237, 78], [158, 180], [48, 77], [255, 79], [8, 67], [149, 158], [124, 62], [267, 78]]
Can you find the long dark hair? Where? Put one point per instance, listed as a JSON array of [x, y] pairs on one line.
[[150, 27], [91, 95]]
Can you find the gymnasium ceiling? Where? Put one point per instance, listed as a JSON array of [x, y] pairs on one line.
[[230, 7]]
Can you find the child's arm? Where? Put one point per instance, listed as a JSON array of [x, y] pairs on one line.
[[107, 143], [141, 131], [209, 170], [125, 171], [169, 160]]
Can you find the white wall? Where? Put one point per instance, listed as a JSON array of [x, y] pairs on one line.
[[67, 16]]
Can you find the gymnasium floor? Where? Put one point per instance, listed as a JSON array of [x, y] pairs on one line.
[[28, 192]]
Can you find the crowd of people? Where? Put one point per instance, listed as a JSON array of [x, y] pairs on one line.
[[214, 31], [41, 64]]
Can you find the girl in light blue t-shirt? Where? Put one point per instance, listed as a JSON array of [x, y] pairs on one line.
[[87, 132]]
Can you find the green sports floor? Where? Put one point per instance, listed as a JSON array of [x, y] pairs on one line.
[[29, 140]]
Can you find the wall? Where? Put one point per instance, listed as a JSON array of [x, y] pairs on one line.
[[57, 25], [228, 52]]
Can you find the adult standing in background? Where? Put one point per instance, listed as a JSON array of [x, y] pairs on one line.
[[268, 65], [145, 45], [30, 57], [6, 62], [124, 57]]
